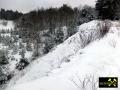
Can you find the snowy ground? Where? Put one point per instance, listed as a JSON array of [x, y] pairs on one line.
[[6, 27], [70, 65], [9, 25]]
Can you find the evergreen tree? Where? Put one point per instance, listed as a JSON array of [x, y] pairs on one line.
[[59, 36], [108, 9], [28, 46], [22, 53], [3, 58], [86, 14]]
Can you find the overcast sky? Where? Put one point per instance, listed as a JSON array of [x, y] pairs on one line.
[[27, 5]]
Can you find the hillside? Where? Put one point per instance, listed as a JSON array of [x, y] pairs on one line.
[[61, 53], [79, 61]]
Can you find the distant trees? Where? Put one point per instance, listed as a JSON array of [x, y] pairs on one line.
[[45, 18], [44, 26], [108, 9], [42, 29], [9, 14], [51, 18]]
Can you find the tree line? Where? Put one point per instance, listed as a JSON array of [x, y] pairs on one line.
[[63, 16], [52, 18], [9, 14]]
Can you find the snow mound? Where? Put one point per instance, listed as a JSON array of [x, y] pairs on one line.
[[87, 62]]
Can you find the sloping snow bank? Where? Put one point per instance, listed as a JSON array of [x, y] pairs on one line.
[[94, 60], [60, 54]]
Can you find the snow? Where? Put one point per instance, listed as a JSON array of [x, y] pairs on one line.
[[10, 25], [17, 57], [2, 46], [44, 65], [97, 59], [28, 55], [5, 35]]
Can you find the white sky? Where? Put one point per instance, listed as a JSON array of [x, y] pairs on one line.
[[27, 5]]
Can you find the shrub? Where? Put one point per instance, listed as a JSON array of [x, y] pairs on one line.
[[87, 83]]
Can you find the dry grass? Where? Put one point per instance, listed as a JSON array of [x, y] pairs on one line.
[[87, 83], [113, 43]]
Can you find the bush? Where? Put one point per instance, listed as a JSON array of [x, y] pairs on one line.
[[22, 64], [87, 83], [105, 27]]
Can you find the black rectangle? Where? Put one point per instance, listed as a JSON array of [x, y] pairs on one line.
[[108, 82]]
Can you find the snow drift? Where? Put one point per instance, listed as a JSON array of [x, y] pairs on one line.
[[77, 63]]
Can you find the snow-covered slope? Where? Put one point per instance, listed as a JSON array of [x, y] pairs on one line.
[[5, 25], [86, 63], [60, 54]]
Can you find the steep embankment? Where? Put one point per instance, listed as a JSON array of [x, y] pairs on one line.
[[78, 65]]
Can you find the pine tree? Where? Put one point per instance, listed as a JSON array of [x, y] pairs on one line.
[[59, 36], [3, 58], [108, 9]]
